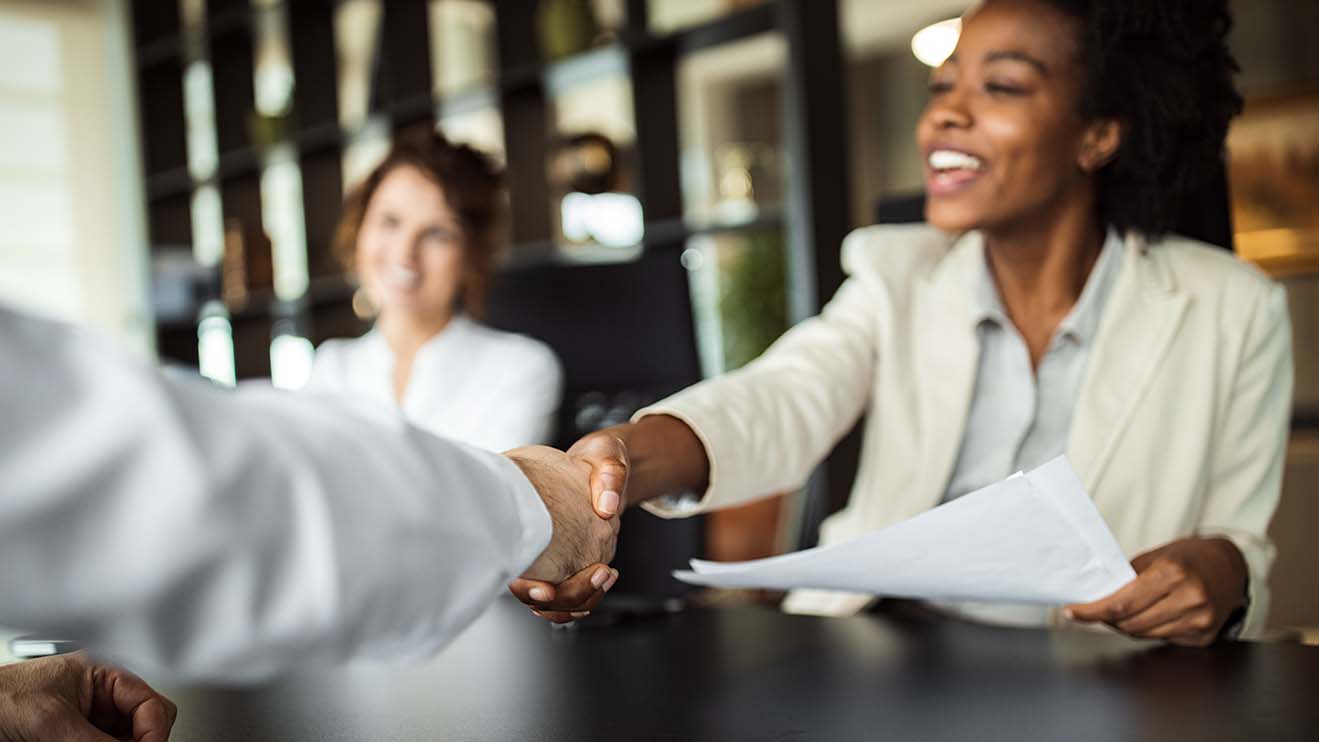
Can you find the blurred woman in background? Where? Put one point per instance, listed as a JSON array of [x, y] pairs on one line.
[[421, 235]]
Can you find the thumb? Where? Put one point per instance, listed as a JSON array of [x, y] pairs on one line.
[[152, 720], [129, 697], [608, 482], [605, 453]]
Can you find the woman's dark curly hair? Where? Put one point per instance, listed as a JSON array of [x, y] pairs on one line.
[[1163, 68]]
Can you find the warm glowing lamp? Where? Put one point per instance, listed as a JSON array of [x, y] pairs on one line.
[[934, 43]]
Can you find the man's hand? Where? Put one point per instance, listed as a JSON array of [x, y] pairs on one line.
[[581, 537], [70, 698], [1183, 593]]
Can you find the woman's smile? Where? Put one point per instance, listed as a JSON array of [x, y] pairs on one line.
[[950, 171], [400, 278]]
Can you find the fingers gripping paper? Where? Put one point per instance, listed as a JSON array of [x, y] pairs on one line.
[[1032, 538]]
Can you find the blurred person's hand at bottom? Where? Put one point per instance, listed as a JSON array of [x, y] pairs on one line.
[[71, 698]]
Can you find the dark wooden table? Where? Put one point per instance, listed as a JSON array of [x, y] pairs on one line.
[[748, 673]]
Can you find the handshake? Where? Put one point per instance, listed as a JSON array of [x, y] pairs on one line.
[[583, 490]]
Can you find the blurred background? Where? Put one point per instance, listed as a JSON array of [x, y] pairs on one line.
[[681, 174]]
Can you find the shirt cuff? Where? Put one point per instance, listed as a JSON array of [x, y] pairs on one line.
[[1257, 555], [532, 515]]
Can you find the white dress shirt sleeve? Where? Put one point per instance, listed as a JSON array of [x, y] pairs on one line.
[[218, 534]]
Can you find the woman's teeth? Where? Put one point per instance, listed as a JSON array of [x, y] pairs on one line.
[[942, 160], [399, 277]]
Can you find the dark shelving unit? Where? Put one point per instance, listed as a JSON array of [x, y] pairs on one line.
[[813, 115], [650, 324]]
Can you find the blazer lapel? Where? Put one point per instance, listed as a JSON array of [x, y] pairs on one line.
[[946, 352], [1143, 314]]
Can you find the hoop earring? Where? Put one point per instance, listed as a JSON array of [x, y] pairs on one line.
[[364, 306]]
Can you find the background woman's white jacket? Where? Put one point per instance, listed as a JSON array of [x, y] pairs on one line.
[[1179, 429], [471, 383]]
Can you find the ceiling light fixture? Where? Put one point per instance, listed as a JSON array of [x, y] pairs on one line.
[[934, 43]]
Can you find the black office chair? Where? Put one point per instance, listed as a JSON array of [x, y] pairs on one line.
[[625, 335]]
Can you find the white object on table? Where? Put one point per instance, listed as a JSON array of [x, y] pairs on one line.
[[5, 635], [1033, 538]]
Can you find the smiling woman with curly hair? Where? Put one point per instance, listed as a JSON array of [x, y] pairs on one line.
[[1045, 309], [420, 234]]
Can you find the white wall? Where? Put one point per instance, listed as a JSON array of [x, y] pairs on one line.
[[72, 234]]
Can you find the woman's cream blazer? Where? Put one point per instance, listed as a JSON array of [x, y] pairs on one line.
[[1179, 430]]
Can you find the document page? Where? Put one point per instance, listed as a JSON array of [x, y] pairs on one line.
[[1032, 538]]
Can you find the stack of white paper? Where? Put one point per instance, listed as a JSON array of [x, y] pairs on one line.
[[1033, 538]]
